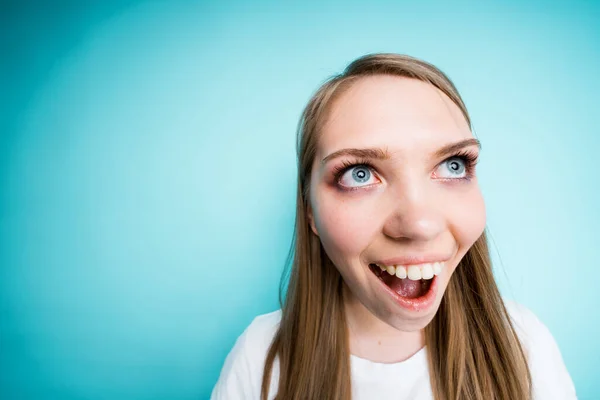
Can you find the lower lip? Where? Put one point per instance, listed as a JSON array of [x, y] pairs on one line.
[[417, 304]]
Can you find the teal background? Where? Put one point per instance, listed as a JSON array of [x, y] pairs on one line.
[[147, 173]]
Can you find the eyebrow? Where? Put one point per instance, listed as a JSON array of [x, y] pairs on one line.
[[381, 154]]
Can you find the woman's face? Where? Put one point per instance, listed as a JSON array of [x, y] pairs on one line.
[[404, 201]]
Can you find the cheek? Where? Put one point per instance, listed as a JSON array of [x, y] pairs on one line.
[[468, 218], [344, 227]]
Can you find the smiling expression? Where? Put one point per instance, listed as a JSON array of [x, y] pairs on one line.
[[394, 177]]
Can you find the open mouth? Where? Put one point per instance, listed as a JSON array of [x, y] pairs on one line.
[[410, 282]]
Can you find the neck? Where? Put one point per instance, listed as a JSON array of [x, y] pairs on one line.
[[372, 339]]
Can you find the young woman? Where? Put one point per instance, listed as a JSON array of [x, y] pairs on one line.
[[391, 293]]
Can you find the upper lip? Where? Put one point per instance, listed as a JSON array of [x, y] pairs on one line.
[[411, 260]]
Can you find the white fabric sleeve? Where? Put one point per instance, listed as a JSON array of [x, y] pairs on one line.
[[235, 381], [550, 377]]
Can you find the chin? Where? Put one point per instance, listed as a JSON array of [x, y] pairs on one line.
[[410, 323]]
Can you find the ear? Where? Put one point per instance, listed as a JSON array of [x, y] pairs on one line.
[[311, 220]]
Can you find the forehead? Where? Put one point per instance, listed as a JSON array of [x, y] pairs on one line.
[[401, 114]]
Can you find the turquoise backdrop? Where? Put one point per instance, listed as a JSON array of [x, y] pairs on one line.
[[147, 173]]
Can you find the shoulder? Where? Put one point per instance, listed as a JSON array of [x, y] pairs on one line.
[[526, 323], [263, 326], [241, 375], [549, 375]]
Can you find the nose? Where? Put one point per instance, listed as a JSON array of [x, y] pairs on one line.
[[414, 216]]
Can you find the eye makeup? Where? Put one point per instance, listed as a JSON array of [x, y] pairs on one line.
[[468, 157]]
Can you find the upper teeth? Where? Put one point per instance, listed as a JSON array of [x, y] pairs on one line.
[[414, 272]]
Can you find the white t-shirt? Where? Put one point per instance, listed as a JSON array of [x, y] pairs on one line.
[[241, 376]]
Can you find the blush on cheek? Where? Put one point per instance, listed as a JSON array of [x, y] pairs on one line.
[[470, 221], [344, 231]]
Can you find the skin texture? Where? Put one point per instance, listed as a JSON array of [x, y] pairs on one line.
[[412, 204]]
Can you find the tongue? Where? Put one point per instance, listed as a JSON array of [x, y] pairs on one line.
[[404, 287], [407, 288]]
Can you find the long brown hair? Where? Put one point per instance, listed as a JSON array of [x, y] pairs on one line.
[[473, 350]]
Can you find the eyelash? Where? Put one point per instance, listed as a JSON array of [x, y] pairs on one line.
[[469, 159]]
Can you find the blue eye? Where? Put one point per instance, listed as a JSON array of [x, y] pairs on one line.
[[459, 167], [456, 165], [361, 174], [356, 176]]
